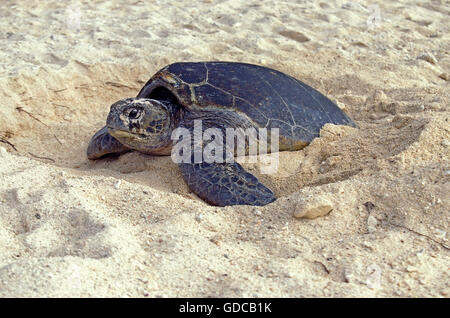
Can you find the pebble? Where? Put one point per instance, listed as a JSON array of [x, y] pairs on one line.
[[373, 280], [2, 151], [342, 106], [199, 218], [311, 211], [367, 245], [348, 276], [257, 212], [372, 224], [419, 254], [427, 56], [216, 239], [444, 76], [117, 184], [295, 35]]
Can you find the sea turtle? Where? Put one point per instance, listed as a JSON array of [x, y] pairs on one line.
[[222, 95]]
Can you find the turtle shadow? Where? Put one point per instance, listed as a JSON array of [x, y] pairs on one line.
[[156, 172]]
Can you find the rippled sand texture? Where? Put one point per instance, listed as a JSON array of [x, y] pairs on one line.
[[129, 226]]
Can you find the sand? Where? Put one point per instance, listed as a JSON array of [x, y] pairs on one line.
[[361, 212]]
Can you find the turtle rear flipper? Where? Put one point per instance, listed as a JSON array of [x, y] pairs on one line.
[[102, 143], [225, 184]]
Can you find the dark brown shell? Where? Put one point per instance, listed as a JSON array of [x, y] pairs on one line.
[[268, 97]]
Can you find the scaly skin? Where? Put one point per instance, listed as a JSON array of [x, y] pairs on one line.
[[219, 184], [102, 144], [222, 184], [225, 184]]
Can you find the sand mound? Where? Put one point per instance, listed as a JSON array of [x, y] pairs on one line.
[[129, 226]]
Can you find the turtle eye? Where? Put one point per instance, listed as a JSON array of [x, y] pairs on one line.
[[134, 113]]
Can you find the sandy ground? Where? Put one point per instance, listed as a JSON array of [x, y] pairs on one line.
[[129, 226]]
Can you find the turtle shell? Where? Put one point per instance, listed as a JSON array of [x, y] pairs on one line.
[[267, 97]]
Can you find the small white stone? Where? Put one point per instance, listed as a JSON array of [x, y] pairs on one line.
[[199, 218], [257, 212], [341, 105], [348, 275], [371, 224], [427, 56], [3, 151], [367, 244], [117, 184]]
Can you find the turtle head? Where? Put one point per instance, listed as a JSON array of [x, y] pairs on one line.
[[142, 124]]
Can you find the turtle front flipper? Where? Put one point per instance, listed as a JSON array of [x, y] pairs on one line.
[[225, 184], [102, 143]]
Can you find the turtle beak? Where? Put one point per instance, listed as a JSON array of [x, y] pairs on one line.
[[113, 122], [121, 134]]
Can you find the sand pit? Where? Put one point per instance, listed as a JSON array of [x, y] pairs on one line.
[[361, 212]]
